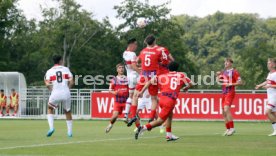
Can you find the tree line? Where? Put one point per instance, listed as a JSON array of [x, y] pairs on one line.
[[92, 47]]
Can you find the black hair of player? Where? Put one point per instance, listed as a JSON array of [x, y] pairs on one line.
[[132, 40], [12, 89], [57, 59], [173, 66], [150, 39], [2, 90]]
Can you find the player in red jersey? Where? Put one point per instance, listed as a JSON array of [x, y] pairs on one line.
[[170, 85], [163, 69], [163, 65], [119, 88], [150, 58], [229, 78]]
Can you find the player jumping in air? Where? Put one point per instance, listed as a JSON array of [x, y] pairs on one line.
[[132, 72], [150, 58]]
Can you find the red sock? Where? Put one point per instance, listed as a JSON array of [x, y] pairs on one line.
[[231, 124], [149, 127], [152, 114], [133, 110], [112, 122], [168, 129], [227, 125], [137, 125]]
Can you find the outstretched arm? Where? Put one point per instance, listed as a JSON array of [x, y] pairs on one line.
[[146, 86], [261, 85]]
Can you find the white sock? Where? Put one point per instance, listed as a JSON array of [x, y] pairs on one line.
[[145, 127], [274, 126], [128, 104], [169, 134], [69, 126], [50, 118], [232, 129]]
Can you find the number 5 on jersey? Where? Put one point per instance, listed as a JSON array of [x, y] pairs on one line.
[[147, 60]]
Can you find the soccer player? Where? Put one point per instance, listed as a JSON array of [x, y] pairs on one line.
[[270, 86], [150, 58], [14, 102], [59, 80], [3, 101], [163, 69], [163, 65], [119, 88], [132, 72], [170, 85], [229, 78]]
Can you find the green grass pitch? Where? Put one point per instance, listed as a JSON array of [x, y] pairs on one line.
[[28, 138]]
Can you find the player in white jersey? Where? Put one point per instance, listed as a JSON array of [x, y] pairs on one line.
[[132, 71], [270, 85], [59, 80]]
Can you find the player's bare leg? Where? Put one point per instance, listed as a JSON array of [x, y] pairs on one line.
[[112, 121], [169, 135], [226, 122], [272, 117], [69, 123], [8, 110], [50, 118], [153, 107], [15, 110], [230, 122], [133, 109], [128, 105], [1, 110]]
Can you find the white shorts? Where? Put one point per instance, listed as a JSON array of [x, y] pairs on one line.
[[60, 98], [271, 104], [132, 81], [144, 103]]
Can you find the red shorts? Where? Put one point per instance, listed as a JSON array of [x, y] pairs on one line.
[[227, 99], [167, 105], [119, 107], [153, 89], [162, 71]]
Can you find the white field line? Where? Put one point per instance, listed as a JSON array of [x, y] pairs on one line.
[[72, 142]]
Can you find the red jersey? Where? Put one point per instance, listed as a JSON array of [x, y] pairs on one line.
[[163, 65], [120, 84], [229, 76], [150, 58], [171, 83]]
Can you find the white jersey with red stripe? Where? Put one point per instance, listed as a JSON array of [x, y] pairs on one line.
[[59, 76], [129, 58], [271, 92]]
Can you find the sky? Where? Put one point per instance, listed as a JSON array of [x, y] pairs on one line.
[[200, 8]]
